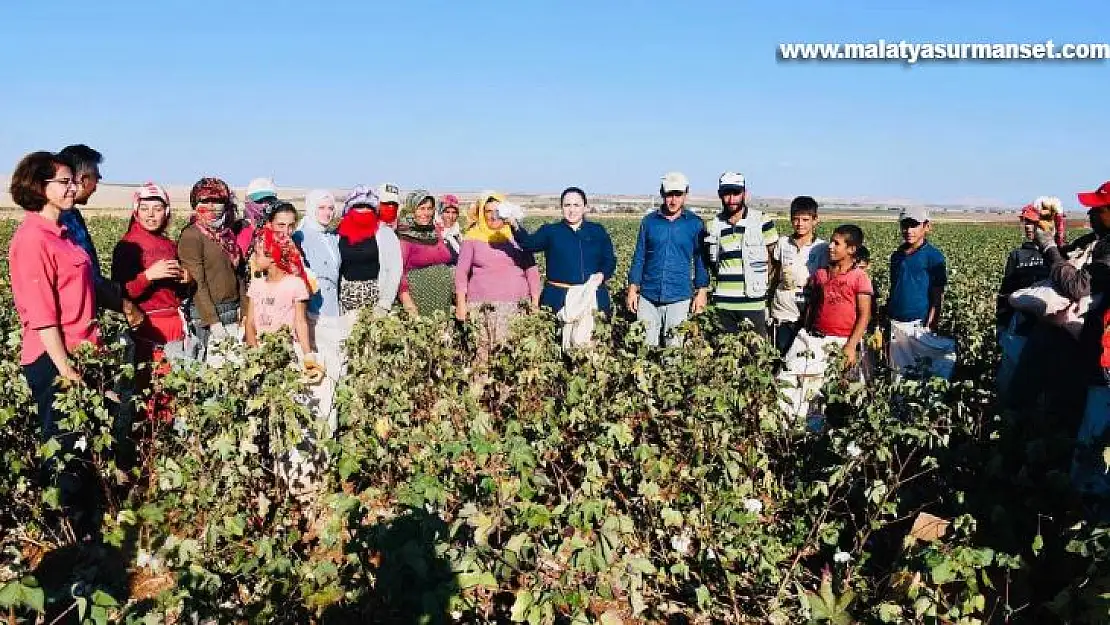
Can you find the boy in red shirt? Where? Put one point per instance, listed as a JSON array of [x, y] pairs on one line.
[[842, 292], [837, 313]]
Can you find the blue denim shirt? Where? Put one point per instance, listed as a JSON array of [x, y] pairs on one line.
[[320, 249], [79, 232], [664, 251], [572, 257]]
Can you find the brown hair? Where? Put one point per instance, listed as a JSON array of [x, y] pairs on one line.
[[28, 186]]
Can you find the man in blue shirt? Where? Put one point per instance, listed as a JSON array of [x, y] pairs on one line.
[[659, 285], [86, 162], [918, 273]]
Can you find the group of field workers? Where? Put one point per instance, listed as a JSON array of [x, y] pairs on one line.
[[1053, 321], [234, 275]]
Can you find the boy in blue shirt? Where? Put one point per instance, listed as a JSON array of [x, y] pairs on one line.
[[918, 274]]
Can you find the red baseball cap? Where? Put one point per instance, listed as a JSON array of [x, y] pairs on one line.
[[1030, 212], [1098, 198]]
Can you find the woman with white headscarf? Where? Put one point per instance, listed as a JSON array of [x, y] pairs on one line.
[[319, 245]]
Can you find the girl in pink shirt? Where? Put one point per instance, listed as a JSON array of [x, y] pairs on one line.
[[281, 298]]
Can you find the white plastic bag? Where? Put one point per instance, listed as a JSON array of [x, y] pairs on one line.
[[577, 313], [911, 342], [803, 373], [1043, 301]]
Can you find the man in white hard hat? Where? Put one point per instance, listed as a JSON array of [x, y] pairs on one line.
[[741, 246], [659, 287]]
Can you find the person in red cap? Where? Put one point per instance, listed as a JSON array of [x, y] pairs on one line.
[[1025, 266], [1091, 279]]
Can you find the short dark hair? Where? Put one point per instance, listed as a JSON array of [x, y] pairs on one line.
[[863, 254], [83, 157], [853, 235], [803, 205], [281, 206], [567, 191], [28, 184]]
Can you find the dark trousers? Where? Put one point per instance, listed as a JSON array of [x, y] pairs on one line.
[[783, 333], [732, 320], [78, 491]]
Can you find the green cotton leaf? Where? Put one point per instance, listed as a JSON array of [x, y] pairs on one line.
[[890, 613], [642, 566], [1038, 544], [34, 598], [470, 580], [942, 573], [11, 594], [51, 496], [102, 598], [235, 525], [671, 517], [523, 603], [704, 598], [49, 448], [1106, 456]]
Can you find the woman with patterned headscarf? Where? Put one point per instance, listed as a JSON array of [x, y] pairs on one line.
[[370, 257], [450, 223], [208, 251], [427, 283], [145, 265], [493, 275]]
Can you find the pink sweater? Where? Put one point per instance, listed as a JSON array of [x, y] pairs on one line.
[[496, 273], [419, 256]]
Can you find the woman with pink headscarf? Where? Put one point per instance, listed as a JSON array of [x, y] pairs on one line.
[[145, 265]]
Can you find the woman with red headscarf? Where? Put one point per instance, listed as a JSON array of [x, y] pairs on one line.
[[208, 251], [145, 265]]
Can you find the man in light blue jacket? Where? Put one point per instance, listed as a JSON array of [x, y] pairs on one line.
[[659, 287]]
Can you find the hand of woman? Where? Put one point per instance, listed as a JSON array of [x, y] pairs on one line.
[[460, 312], [166, 268], [71, 374]]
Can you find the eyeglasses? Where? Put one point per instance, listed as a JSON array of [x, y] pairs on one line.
[[65, 182]]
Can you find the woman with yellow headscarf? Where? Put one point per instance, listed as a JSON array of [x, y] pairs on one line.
[[493, 274]]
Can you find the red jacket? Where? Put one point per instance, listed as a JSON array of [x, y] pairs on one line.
[[161, 299]]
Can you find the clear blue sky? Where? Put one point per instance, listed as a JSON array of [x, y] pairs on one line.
[[534, 96]]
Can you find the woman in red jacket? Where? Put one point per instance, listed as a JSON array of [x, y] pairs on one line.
[[145, 264]]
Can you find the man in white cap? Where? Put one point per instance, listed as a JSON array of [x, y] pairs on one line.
[[741, 247], [659, 288]]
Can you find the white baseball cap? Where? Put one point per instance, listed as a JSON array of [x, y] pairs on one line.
[[260, 188], [675, 181], [731, 180], [388, 192], [917, 213]]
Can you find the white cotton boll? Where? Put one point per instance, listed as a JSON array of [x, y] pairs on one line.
[[1049, 203], [842, 557], [81, 444], [681, 544], [753, 506], [854, 450]]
